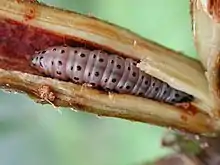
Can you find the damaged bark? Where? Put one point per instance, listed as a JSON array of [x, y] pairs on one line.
[[29, 27]]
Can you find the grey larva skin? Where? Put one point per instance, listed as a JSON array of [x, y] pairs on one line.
[[110, 72]]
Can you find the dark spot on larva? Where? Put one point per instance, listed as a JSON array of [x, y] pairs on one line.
[[82, 55], [133, 74], [78, 68], [106, 80], [60, 62], [113, 80], [38, 52], [153, 84], [119, 66], [134, 63], [129, 68], [62, 51], [112, 62], [121, 87], [164, 92], [71, 68], [142, 77], [128, 87], [89, 74], [96, 74], [43, 51], [36, 58], [75, 51], [58, 72], [101, 60], [52, 62], [41, 64], [76, 78], [94, 56], [177, 95], [156, 89], [146, 82], [41, 58], [54, 49], [173, 100]]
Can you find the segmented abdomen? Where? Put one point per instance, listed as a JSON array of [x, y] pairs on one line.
[[111, 72]]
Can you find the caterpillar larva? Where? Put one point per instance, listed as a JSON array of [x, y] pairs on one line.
[[110, 72]]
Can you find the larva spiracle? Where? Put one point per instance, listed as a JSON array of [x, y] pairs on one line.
[[108, 71]]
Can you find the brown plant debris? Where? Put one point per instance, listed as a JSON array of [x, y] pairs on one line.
[[214, 9]]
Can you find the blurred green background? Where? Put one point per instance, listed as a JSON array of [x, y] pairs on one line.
[[33, 134]]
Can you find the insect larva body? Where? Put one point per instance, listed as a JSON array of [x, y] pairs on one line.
[[110, 72]]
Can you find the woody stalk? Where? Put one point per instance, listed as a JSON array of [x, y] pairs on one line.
[[28, 27]]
